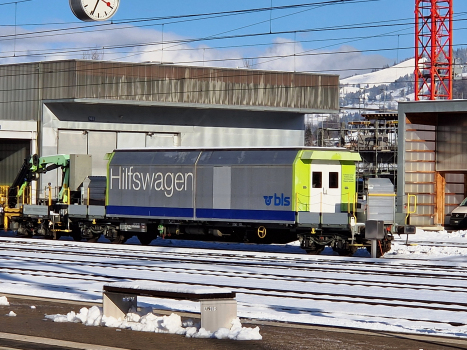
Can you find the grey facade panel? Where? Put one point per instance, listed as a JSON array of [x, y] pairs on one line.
[[57, 80], [131, 139], [19, 87], [99, 144], [211, 86], [72, 141], [24, 86]]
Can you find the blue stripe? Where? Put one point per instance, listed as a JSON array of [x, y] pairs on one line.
[[150, 211], [213, 214], [237, 214]]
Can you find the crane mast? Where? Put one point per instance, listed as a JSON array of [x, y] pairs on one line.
[[433, 49]]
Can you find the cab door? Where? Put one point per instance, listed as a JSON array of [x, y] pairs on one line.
[[325, 191]]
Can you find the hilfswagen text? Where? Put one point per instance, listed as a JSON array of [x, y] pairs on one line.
[[126, 178]]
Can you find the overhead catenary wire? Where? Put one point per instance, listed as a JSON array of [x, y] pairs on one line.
[[218, 38], [105, 26], [282, 56], [114, 47]]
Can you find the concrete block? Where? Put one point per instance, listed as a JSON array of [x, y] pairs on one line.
[[117, 305], [218, 313]]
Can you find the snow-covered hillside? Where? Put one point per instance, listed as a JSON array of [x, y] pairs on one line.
[[379, 90], [381, 77]]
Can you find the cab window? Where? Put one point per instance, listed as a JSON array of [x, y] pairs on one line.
[[333, 179], [317, 179]]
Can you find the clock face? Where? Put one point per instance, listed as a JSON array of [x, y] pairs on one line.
[[94, 10]]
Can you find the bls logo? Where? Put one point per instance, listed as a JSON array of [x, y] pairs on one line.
[[279, 201]]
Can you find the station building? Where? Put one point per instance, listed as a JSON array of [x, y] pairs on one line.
[[94, 107]]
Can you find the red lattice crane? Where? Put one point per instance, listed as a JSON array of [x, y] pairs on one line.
[[433, 49]]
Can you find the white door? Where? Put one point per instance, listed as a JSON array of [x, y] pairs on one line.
[[325, 191]]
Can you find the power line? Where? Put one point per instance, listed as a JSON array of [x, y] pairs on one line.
[[221, 13], [13, 2], [283, 56], [178, 42], [367, 25]]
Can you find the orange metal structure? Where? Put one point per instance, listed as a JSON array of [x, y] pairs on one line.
[[433, 49]]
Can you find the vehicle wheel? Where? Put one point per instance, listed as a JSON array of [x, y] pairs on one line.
[[119, 239], [145, 238], [76, 233], [76, 236], [316, 251]]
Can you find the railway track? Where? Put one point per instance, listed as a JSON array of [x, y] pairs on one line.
[[140, 255], [293, 282]]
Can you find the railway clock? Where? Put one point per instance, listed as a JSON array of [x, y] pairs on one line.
[[94, 10]]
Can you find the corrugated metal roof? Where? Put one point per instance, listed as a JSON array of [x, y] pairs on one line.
[[23, 86]]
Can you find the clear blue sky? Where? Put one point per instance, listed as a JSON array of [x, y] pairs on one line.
[[387, 33]]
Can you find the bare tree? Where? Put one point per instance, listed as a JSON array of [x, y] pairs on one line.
[[249, 63], [94, 54]]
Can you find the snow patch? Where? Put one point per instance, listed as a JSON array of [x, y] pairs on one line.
[[4, 301], [426, 244], [159, 324]]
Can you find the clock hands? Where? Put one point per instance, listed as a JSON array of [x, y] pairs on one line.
[[97, 3], [107, 3]]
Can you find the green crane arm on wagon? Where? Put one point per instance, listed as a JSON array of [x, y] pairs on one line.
[[35, 165]]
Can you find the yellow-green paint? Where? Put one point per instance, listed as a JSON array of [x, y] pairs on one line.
[[109, 157], [330, 155], [348, 184], [302, 176], [301, 183]]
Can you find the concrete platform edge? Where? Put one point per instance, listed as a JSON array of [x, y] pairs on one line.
[[54, 342]]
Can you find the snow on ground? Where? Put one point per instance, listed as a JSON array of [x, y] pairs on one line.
[[146, 321], [383, 76], [429, 245], [437, 248]]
